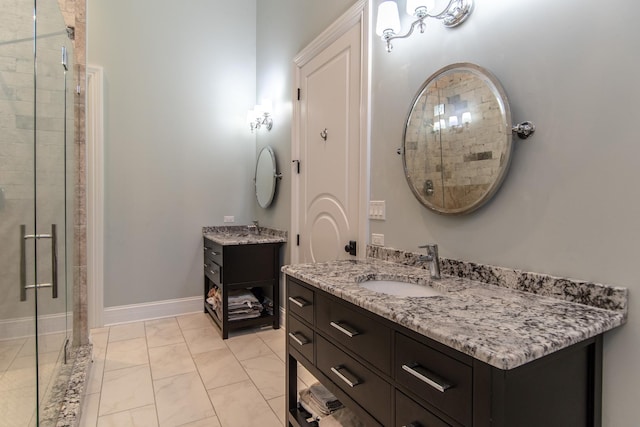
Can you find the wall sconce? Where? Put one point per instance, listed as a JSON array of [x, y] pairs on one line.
[[388, 23], [260, 116]]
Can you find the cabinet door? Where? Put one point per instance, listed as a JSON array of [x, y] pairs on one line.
[[434, 377], [359, 382], [300, 301], [357, 332], [301, 337], [409, 413]]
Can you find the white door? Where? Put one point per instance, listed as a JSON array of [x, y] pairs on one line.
[[329, 144]]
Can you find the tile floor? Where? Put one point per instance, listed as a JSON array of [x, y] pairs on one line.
[[18, 376], [179, 372]]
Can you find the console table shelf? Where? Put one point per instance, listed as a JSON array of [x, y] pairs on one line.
[[241, 266]]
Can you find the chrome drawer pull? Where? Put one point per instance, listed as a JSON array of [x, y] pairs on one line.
[[350, 333], [350, 383], [302, 341], [412, 425], [298, 301], [427, 377]]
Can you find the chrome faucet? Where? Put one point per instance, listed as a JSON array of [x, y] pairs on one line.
[[254, 228], [432, 258]]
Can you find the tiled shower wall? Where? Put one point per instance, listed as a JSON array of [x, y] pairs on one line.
[[16, 154], [74, 12]]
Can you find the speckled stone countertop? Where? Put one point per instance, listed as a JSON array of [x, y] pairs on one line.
[[503, 327], [240, 235]]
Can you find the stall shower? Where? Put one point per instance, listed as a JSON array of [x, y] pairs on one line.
[[36, 217]]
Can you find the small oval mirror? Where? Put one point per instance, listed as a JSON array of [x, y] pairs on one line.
[[457, 141], [266, 177]]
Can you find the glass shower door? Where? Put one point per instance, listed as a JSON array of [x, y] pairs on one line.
[[53, 157], [18, 361], [34, 202]]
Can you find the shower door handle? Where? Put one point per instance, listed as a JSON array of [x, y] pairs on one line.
[[23, 262], [54, 262]]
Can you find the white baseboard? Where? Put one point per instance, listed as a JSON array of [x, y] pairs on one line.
[[152, 310], [24, 326]]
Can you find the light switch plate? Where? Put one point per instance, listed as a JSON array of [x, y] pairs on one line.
[[377, 239], [377, 209], [229, 218]]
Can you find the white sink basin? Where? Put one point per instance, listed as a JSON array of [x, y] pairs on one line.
[[401, 289]]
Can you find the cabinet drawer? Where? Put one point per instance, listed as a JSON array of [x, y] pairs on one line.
[[438, 379], [364, 386], [300, 337], [300, 301], [212, 251], [409, 413], [357, 332], [213, 271]]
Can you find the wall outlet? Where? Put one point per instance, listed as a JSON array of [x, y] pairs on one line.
[[229, 218], [377, 239], [377, 209]]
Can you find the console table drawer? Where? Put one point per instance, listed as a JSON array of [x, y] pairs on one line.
[[300, 301], [357, 332], [213, 271], [300, 337], [409, 413], [213, 251], [438, 379], [362, 385]]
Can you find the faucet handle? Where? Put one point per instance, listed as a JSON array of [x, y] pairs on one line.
[[429, 247]]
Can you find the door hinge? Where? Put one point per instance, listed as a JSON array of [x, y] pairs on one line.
[[297, 240], [298, 94], [297, 162]]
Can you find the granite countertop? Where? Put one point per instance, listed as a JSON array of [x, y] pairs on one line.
[[503, 327], [241, 235]]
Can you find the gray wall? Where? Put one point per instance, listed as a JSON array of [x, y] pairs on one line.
[[568, 206], [179, 77]]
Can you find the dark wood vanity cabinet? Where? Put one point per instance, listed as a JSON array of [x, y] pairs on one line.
[[392, 376], [244, 266]]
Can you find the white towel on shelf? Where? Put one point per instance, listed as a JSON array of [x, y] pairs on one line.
[[341, 418]]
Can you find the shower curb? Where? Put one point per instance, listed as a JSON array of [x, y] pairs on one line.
[[71, 408]]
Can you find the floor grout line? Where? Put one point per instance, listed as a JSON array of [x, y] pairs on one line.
[[153, 387], [254, 334]]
